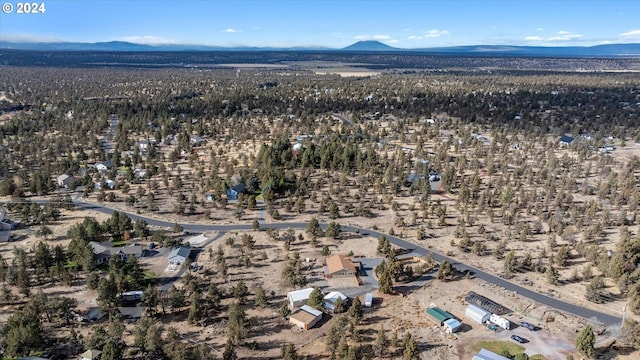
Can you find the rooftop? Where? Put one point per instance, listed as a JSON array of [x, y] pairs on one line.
[[337, 263], [182, 251], [300, 294], [311, 310]]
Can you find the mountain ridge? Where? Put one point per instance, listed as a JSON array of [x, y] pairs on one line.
[[632, 49]]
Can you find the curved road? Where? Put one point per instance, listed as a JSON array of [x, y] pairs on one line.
[[583, 312]]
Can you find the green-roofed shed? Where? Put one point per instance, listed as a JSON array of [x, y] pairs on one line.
[[438, 315]]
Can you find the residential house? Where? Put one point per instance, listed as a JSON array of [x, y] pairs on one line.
[[101, 253], [134, 250], [64, 181], [566, 140], [103, 166], [299, 297], [234, 191], [179, 255], [306, 317], [107, 184], [340, 266], [104, 251]]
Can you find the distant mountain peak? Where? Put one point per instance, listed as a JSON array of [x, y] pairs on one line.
[[368, 45]]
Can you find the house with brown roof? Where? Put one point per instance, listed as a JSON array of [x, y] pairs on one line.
[[340, 266]]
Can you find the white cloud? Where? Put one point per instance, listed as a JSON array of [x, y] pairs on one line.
[[533, 38], [435, 33], [372, 37], [539, 29], [28, 38], [392, 41], [633, 35], [231, 30], [564, 36], [148, 40]]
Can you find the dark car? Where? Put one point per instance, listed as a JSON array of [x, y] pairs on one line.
[[527, 325], [519, 339]]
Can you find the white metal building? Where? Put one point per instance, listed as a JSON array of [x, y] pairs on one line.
[[485, 354], [299, 297], [477, 314]]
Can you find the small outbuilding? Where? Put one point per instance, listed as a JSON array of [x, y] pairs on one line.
[[477, 314], [452, 325], [438, 315], [485, 354], [331, 298], [306, 317], [5, 235], [368, 299], [299, 297], [92, 354]]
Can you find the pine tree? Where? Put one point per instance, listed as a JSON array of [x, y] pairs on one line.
[[111, 351], [338, 306], [585, 342], [260, 298], [410, 348], [316, 298], [355, 310], [236, 326], [380, 346], [552, 274], [229, 351], [288, 352]]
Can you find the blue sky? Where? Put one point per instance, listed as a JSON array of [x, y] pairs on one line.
[[330, 23]]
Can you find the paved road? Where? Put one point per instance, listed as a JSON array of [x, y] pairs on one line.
[[343, 119], [586, 313]]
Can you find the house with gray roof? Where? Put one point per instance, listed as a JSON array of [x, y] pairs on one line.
[[179, 255], [104, 251]]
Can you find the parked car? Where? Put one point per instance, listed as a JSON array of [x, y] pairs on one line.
[[528, 325], [519, 339]]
